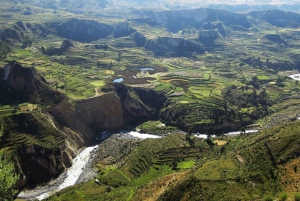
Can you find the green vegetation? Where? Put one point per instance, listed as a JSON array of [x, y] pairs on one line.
[[256, 166], [152, 160], [156, 127], [283, 196], [212, 86], [7, 175]]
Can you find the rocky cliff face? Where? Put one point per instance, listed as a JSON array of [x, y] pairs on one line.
[[83, 30], [43, 142], [278, 18], [39, 150], [139, 39], [139, 104], [276, 38], [102, 113], [207, 37], [173, 46], [176, 20], [10, 35], [122, 29], [215, 26], [19, 84], [40, 164]]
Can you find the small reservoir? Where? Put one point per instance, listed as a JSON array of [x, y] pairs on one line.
[[118, 80]]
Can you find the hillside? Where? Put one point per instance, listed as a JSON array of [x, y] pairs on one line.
[[250, 167], [69, 79]]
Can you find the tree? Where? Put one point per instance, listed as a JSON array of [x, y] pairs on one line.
[[1, 131], [280, 81], [8, 178], [188, 135], [209, 132], [26, 42], [255, 82], [119, 56], [243, 131]]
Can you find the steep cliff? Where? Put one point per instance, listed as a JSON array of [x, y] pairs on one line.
[[122, 29], [173, 46], [207, 37], [39, 150], [139, 104], [82, 30], [102, 113], [19, 84], [278, 18], [177, 20], [40, 147]]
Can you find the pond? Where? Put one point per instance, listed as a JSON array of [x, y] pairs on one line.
[[118, 80], [144, 69]]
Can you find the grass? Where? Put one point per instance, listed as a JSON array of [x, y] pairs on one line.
[[218, 170], [220, 142], [185, 164], [209, 174], [125, 183], [156, 127], [114, 178], [198, 84]]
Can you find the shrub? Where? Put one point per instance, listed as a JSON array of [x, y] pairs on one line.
[[268, 198], [297, 197], [283, 197]]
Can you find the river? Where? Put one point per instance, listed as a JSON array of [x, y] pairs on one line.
[[71, 175], [81, 163], [295, 77], [204, 136]]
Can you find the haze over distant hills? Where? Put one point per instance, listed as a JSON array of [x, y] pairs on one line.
[[231, 5]]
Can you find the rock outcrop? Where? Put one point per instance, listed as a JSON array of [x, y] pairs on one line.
[[45, 141], [176, 20], [276, 38], [139, 104], [39, 150], [102, 113], [122, 29], [278, 18], [173, 47], [65, 45], [139, 39], [207, 37], [19, 84], [215, 26], [83, 30]]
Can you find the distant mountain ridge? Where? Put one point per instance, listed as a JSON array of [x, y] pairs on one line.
[[234, 6]]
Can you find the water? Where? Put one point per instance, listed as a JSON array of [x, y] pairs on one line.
[[142, 136], [295, 77], [118, 80], [79, 163], [239, 132], [204, 136], [147, 69], [73, 172]]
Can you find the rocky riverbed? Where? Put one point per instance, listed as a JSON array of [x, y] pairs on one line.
[[82, 168]]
